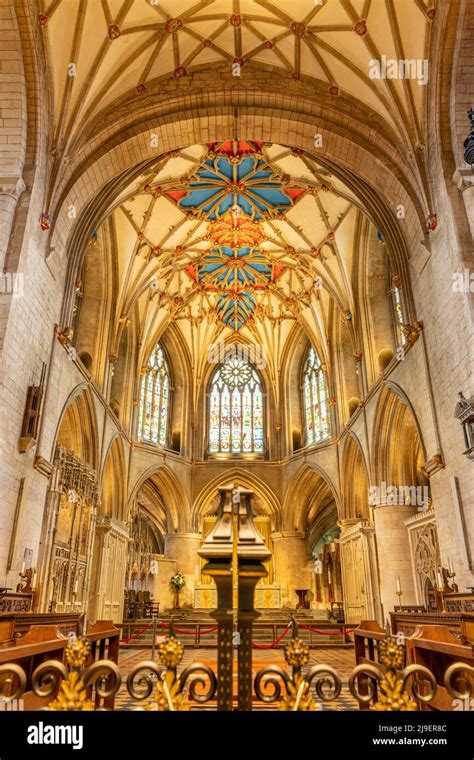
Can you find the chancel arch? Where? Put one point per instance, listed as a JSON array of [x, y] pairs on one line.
[[224, 281], [268, 499]]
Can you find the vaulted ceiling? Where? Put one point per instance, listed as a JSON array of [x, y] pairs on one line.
[[235, 238], [101, 50]]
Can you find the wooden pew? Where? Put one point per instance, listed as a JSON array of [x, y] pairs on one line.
[[436, 648], [366, 638], [7, 632], [40, 643], [105, 642], [66, 622], [406, 622], [43, 642]]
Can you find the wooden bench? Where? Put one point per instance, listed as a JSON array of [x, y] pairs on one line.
[[433, 646], [48, 642], [40, 643], [66, 622], [407, 622], [436, 648], [366, 639]]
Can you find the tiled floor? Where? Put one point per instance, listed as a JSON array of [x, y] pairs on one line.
[[340, 659]]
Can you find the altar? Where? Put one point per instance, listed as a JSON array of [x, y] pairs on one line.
[[267, 592], [267, 596]]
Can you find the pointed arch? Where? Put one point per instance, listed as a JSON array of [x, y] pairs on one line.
[[397, 443], [308, 490], [77, 427], [239, 477], [354, 480], [165, 482], [114, 481], [236, 407], [154, 401], [316, 408]]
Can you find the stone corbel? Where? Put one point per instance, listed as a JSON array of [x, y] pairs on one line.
[[433, 465], [13, 186], [44, 467]]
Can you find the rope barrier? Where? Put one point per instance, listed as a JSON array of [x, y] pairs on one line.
[[195, 632], [190, 633], [274, 643], [135, 635], [326, 633]]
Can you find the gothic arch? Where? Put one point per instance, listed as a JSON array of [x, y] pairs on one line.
[[77, 427], [397, 442], [114, 481], [354, 480], [239, 477], [172, 494], [97, 182], [309, 484]]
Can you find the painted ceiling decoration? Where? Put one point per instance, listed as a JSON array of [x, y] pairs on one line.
[[233, 178], [238, 274], [234, 189]]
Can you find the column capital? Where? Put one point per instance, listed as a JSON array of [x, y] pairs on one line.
[[288, 534]]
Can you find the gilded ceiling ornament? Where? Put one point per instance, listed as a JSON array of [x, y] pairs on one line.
[[298, 28], [173, 24], [334, 90], [361, 28], [114, 32], [42, 20]]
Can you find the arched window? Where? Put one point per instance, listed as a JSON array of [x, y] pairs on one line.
[[316, 407], [153, 414], [397, 303], [236, 409]]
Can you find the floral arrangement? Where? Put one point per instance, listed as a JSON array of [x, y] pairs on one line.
[[178, 580]]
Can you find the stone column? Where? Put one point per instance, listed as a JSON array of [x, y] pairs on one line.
[[393, 551], [290, 553], [183, 548]]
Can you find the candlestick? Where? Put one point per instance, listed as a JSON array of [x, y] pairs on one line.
[[399, 588], [35, 576], [76, 586], [440, 581], [450, 566], [22, 568]]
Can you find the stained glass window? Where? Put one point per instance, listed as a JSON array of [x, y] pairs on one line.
[[315, 396], [236, 409], [154, 400], [398, 308]]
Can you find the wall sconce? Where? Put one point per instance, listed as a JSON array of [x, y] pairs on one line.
[[464, 411]]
